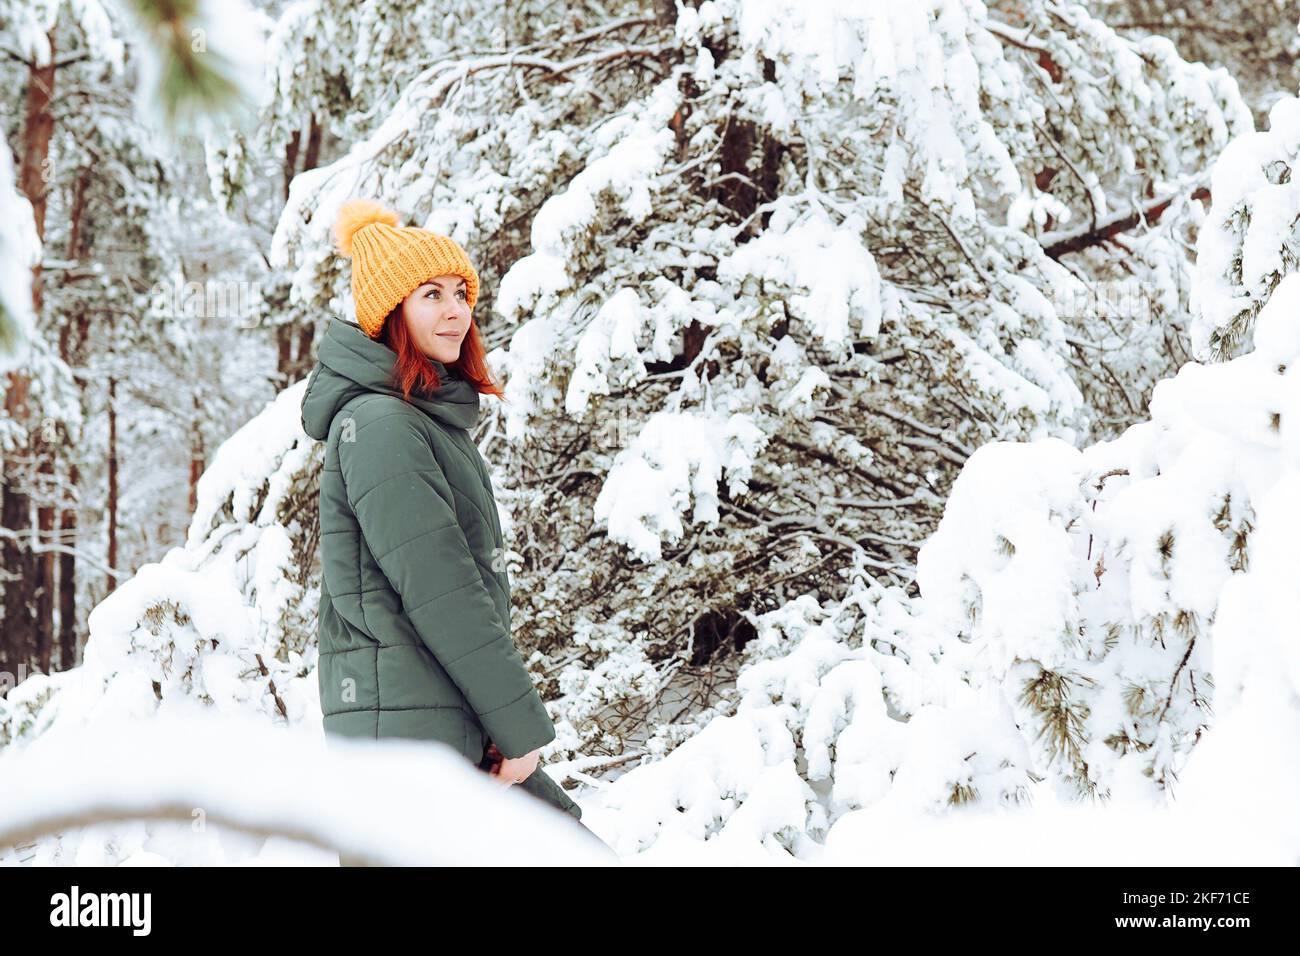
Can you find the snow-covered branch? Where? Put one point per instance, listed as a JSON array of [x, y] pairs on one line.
[[1062, 242], [395, 803]]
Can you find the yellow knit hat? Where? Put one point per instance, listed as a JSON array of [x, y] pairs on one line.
[[388, 260]]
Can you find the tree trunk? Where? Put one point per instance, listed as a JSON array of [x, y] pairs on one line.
[[290, 162], [17, 565], [19, 635], [112, 484], [18, 631], [312, 156], [284, 348], [34, 172], [196, 454], [290, 365], [306, 336], [72, 338], [45, 559], [68, 582]]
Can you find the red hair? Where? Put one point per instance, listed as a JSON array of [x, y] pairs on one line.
[[413, 371]]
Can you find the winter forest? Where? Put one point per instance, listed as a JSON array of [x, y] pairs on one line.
[[899, 458]]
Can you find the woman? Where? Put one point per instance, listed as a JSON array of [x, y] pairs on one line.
[[415, 600]]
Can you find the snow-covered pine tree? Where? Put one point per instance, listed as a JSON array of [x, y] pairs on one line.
[[1135, 543], [227, 621], [122, 357], [42, 411], [1256, 40], [1116, 621]]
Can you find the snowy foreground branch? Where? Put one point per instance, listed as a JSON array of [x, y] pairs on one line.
[[404, 803], [391, 802]]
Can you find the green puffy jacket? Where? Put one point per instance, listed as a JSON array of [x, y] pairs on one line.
[[415, 600]]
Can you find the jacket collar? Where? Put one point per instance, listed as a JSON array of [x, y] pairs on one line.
[[350, 363]]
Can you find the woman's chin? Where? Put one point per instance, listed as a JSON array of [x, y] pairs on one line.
[[444, 354]]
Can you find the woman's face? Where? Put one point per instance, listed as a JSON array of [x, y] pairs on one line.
[[437, 315]]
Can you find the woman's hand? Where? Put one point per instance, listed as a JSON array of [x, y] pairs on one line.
[[516, 770]]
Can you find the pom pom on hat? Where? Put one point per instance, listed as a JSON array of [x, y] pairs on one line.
[[354, 216]]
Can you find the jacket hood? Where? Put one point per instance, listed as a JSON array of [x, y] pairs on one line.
[[351, 363]]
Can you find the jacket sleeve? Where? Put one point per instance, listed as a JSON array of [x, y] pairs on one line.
[[404, 505]]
